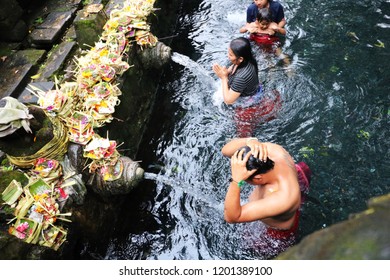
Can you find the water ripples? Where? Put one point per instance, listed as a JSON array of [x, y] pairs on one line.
[[335, 117]]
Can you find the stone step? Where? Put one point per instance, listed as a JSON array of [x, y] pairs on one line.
[[52, 28], [55, 61], [16, 69], [27, 97]]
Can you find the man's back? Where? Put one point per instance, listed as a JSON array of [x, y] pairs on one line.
[[281, 188]]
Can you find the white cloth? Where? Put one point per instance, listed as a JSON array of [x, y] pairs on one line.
[[13, 116]]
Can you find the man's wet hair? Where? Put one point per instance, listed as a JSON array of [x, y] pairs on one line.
[[255, 163]]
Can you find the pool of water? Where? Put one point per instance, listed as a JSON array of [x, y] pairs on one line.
[[335, 117]]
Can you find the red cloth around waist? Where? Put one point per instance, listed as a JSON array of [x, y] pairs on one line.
[[304, 176], [247, 118], [264, 39], [282, 233]]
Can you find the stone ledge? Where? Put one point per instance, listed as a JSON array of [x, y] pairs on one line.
[[52, 28], [16, 69], [56, 60], [365, 236]]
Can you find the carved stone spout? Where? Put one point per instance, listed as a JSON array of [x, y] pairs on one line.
[[132, 174], [155, 57]]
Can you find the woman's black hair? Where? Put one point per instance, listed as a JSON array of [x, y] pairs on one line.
[[255, 163], [241, 47], [264, 14]]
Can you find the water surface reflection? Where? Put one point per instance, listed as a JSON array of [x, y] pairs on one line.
[[335, 117]]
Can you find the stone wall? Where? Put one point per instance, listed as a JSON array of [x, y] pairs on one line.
[[365, 236], [138, 86]]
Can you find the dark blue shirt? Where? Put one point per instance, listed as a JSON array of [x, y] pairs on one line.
[[276, 9]]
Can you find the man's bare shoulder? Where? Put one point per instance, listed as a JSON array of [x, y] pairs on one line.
[[279, 155], [275, 149]]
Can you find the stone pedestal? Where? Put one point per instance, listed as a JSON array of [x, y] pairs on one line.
[[89, 26]]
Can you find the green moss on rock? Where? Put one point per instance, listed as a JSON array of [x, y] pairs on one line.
[[7, 176]]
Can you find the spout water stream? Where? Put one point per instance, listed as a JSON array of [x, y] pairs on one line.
[[194, 67]]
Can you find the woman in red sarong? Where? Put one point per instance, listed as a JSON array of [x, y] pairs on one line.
[[247, 118], [241, 88]]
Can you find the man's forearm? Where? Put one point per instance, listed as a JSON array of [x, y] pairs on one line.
[[232, 211], [232, 146]]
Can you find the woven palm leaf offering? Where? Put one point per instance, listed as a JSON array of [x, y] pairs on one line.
[[37, 187], [80, 127], [69, 90], [56, 102], [112, 172], [26, 229], [48, 169], [104, 89], [53, 237], [24, 204], [130, 20], [12, 193], [111, 52], [37, 212], [100, 109], [104, 157], [115, 42]]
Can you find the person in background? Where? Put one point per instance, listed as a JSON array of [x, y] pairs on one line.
[[240, 84], [241, 88], [275, 7], [240, 81], [263, 31], [278, 184], [263, 27]]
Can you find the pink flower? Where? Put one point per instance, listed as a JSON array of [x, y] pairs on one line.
[[62, 193], [20, 230]]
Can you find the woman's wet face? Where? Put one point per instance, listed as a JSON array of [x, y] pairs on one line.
[[232, 57]]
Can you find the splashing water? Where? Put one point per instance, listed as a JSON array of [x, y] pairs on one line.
[[197, 69], [172, 183]]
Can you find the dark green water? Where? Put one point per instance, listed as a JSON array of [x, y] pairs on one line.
[[335, 117]]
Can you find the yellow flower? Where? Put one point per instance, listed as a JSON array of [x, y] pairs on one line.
[[103, 52], [112, 24], [86, 74]]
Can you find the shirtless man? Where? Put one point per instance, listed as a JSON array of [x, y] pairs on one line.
[[276, 197]]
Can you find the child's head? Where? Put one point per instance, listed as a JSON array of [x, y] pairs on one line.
[[264, 17]]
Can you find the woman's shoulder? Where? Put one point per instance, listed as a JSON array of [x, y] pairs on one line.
[[248, 70]]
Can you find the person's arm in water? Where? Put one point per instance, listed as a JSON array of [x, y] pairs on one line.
[[259, 149], [245, 28], [282, 23], [248, 27], [277, 29], [229, 96]]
